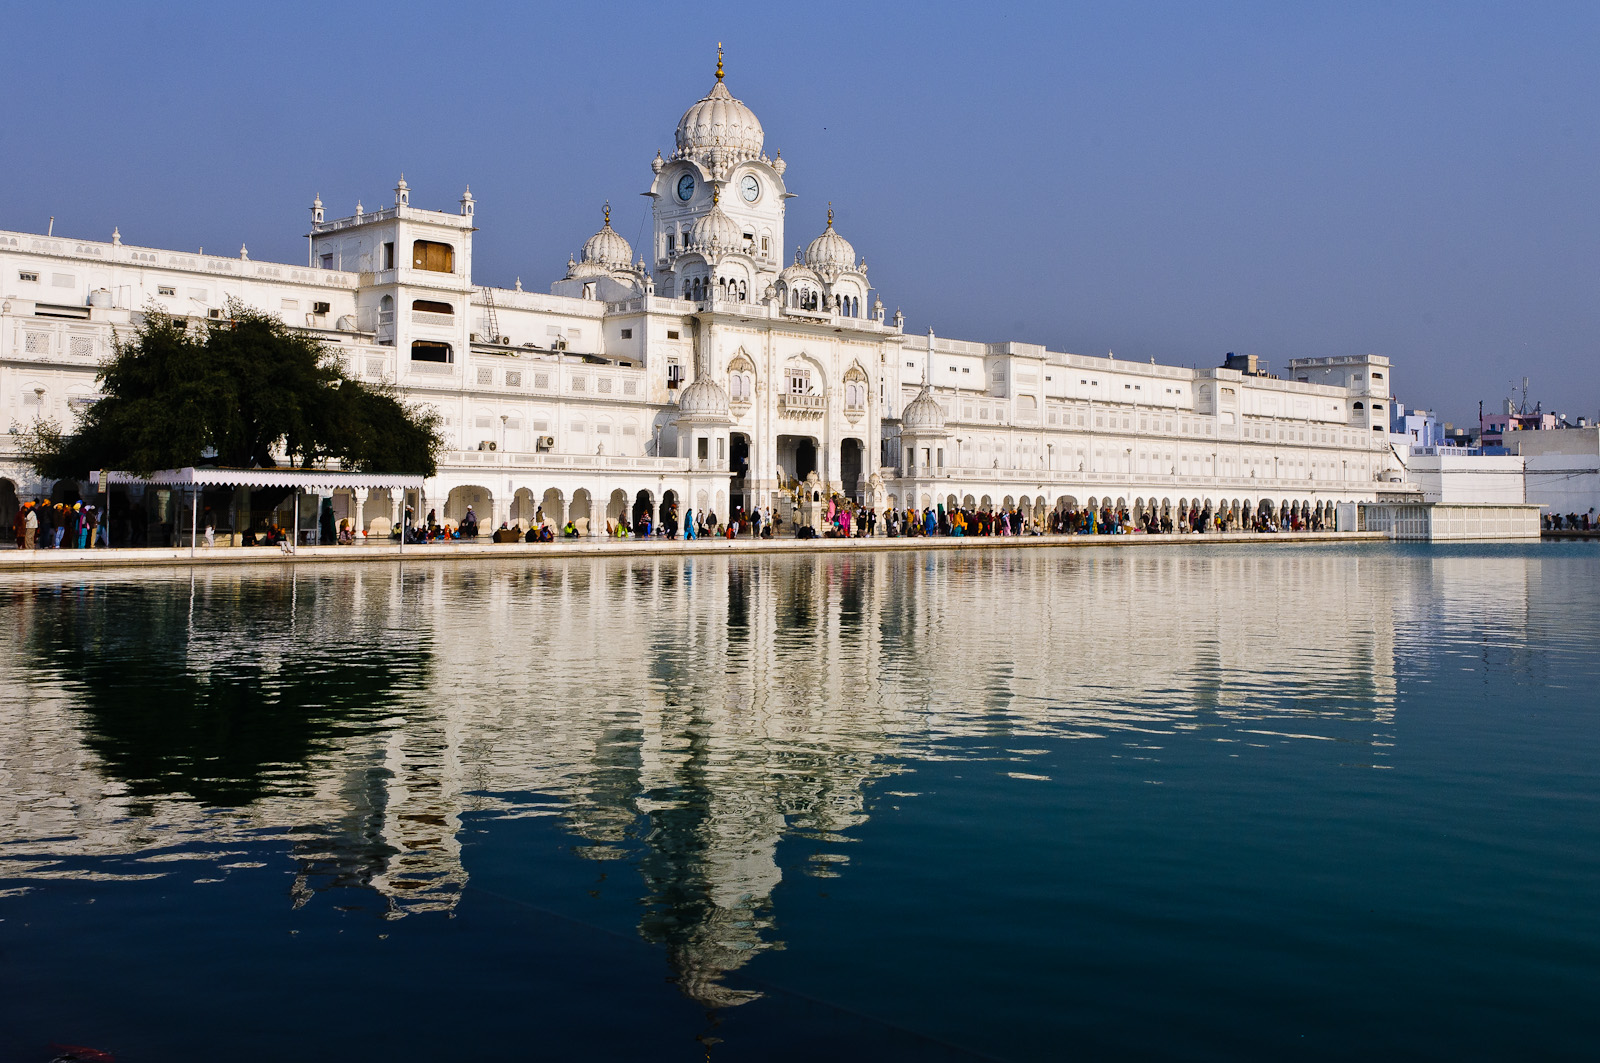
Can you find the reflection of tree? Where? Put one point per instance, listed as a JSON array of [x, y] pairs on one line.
[[223, 697]]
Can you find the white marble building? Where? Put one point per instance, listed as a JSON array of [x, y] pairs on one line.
[[703, 370]]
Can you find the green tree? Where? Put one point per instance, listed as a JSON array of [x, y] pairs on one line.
[[236, 395]]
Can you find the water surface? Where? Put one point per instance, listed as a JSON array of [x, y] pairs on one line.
[[1202, 803]]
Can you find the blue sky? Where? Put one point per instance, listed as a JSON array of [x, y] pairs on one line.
[[1161, 180]]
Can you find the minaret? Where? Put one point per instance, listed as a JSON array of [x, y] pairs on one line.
[[402, 193]]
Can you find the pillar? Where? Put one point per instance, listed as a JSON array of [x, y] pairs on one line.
[[358, 499]]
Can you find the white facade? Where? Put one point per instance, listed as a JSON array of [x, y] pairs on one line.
[[1467, 479], [701, 371], [1562, 468]]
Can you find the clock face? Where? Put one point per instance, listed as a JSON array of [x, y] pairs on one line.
[[686, 187], [750, 187]]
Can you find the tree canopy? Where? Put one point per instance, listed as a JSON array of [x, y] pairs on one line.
[[239, 395]]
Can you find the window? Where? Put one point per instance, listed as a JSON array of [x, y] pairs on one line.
[[627, 333], [486, 376], [672, 243], [33, 278], [388, 255], [433, 256], [432, 306], [674, 373], [327, 261], [431, 351], [291, 304], [799, 381], [165, 289], [672, 334]]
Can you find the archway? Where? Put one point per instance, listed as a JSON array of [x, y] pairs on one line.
[[643, 505], [851, 453], [553, 507], [739, 470], [617, 507], [799, 455], [8, 504], [581, 512], [523, 506], [459, 498]]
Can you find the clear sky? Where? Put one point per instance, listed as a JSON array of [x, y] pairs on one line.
[[1173, 181]]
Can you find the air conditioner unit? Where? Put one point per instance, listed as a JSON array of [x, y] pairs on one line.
[[488, 444], [320, 308], [547, 442], [505, 341], [214, 314], [472, 337]]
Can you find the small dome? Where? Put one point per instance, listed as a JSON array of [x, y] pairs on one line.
[[607, 247], [716, 230], [720, 122], [703, 398], [922, 414], [830, 250]]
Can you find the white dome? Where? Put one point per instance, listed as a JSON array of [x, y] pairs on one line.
[[716, 231], [607, 247], [722, 124], [830, 250], [703, 398], [922, 414]]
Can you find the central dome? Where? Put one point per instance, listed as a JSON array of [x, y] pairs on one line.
[[720, 123]]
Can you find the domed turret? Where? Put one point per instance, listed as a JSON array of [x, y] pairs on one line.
[[607, 247], [703, 399], [720, 124], [922, 414], [830, 250], [716, 231]]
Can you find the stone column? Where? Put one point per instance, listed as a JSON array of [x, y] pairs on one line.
[[358, 501]]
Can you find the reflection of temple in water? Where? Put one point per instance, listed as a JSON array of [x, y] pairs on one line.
[[683, 716]]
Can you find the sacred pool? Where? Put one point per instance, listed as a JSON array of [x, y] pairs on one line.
[[1316, 802]]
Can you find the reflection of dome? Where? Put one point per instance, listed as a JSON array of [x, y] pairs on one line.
[[830, 250], [607, 247], [922, 414], [720, 122], [703, 398], [716, 230]]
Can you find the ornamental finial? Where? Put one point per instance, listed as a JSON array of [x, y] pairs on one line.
[[608, 213], [830, 213], [719, 60]]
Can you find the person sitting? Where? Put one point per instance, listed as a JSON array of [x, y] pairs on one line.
[[569, 530]]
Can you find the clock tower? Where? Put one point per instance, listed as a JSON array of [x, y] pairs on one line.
[[719, 204]]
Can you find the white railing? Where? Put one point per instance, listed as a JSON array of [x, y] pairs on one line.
[[805, 403], [425, 317], [526, 459]]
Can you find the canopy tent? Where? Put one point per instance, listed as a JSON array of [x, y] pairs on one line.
[[297, 480]]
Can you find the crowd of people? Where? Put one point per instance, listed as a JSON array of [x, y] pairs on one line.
[[57, 526], [60, 525], [1571, 521]]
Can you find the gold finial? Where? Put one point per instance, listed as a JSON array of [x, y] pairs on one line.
[[719, 60], [716, 195], [608, 213], [830, 213]]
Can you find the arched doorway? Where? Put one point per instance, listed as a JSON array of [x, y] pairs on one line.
[[739, 470], [851, 454], [8, 505]]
